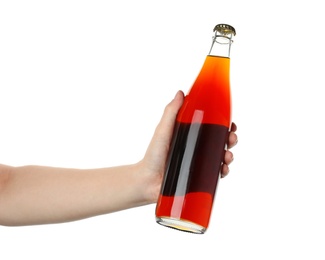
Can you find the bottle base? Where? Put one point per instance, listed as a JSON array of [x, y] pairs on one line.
[[181, 225]]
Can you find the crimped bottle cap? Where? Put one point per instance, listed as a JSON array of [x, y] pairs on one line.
[[225, 29]]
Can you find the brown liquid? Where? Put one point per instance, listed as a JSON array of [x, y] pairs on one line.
[[193, 172]]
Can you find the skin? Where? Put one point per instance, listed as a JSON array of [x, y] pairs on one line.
[[33, 195]]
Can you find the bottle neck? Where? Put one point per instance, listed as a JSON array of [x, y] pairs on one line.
[[221, 45]]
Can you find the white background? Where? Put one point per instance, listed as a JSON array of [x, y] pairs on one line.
[[83, 84]]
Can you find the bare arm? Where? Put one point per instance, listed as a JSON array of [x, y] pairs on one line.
[[39, 195], [32, 195]]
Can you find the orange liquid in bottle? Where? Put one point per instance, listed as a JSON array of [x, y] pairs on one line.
[[210, 94], [197, 147]]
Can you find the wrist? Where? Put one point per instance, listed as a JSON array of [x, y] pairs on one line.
[[148, 183]]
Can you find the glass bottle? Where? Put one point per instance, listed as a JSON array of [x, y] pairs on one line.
[[198, 142]]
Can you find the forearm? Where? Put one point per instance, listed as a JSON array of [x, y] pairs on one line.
[[40, 195]]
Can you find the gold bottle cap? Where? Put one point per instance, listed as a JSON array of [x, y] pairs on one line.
[[225, 29]]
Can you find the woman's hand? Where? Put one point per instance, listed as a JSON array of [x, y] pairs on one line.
[[154, 161]]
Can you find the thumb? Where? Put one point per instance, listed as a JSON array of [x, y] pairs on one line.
[[166, 125], [172, 109], [161, 139]]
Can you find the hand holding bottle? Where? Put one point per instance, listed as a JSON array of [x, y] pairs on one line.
[[154, 161], [31, 194]]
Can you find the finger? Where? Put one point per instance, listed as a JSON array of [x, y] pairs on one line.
[[228, 158], [232, 140], [224, 170], [171, 109], [165, 127], [233, 127]]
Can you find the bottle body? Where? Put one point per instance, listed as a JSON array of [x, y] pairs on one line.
[[197, 150]]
